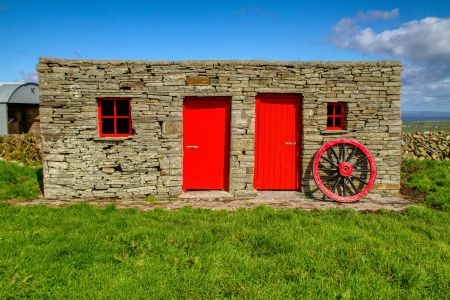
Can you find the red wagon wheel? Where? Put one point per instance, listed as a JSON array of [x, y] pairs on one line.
[[344, 170]]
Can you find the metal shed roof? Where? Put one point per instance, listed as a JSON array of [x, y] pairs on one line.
[[19, 92]]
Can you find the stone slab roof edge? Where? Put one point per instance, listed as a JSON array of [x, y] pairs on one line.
[[44, 60]]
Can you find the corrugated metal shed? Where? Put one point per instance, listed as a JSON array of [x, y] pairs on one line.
[[15, 93], [19, 92]]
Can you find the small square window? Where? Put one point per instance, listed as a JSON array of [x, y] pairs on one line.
[[114, 117], [335, 116]]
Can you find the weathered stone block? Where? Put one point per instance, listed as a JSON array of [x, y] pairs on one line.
[[171, 127], [197, 80]]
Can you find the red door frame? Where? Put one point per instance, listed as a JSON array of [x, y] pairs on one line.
[[299, 130], [227, 101]]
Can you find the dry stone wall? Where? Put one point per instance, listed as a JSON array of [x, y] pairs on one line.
[[426, 145], [80, 164]]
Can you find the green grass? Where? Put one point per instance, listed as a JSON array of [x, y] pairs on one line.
[[426, 126], [18, 181], [432, 178], [85, 252], [151, 198]]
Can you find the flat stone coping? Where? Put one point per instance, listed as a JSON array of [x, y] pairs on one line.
[[225, 62], [276, 200]]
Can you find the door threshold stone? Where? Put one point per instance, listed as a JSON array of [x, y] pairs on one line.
[[206, 195]]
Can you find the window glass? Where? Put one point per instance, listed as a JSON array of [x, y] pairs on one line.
[[123, 126], [338, 122], [338, 109], [122, 108], [329, 122], [329, 109], [107, 125], [107, 107]]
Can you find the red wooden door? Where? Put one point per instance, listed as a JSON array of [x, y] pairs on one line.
[[277, 142], [206, 143]]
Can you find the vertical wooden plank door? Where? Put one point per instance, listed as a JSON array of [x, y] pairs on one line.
[[206, 143], [277, 142]]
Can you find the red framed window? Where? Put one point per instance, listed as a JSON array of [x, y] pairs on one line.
[[114, 117], [335, 116]]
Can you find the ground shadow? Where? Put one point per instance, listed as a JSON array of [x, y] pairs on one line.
[[40, 179], [309, 185]]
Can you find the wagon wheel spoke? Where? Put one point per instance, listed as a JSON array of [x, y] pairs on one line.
[[359, 179], [335, 155], [327, 168], [362, 170], [353, 186], [351, 154], [343, 152], [343, 187], [360, 160], [331, 177], [336, 184], [330, 161]]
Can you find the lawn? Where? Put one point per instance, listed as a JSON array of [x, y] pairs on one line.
[[86, 252], [431, 179], [20, 181]]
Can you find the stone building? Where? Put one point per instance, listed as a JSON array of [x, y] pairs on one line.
[[133, 129]]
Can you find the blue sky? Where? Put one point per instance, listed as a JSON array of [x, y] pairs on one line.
[[280, 30]]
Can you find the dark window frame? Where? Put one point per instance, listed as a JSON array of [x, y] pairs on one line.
[[335, 116], [114, 117]]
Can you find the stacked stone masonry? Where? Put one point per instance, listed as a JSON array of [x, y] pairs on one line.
[[80, 164]]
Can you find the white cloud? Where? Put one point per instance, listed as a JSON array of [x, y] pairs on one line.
[[28, 76], [347, 27], [426, 40], [422, 45]]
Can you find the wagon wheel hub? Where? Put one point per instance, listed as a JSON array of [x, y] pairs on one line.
[[345, 169]]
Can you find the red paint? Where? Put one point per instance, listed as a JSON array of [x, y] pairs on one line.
[[335, 116], [114, 117], [345, 169], [277, 142], [206, 143], [320, 183]]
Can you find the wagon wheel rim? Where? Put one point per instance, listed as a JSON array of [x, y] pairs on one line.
[[344, 170]]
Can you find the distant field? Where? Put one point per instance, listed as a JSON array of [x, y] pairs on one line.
[[426, 126]]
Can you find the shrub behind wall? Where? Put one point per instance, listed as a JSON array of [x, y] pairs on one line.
[[24, 147]]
